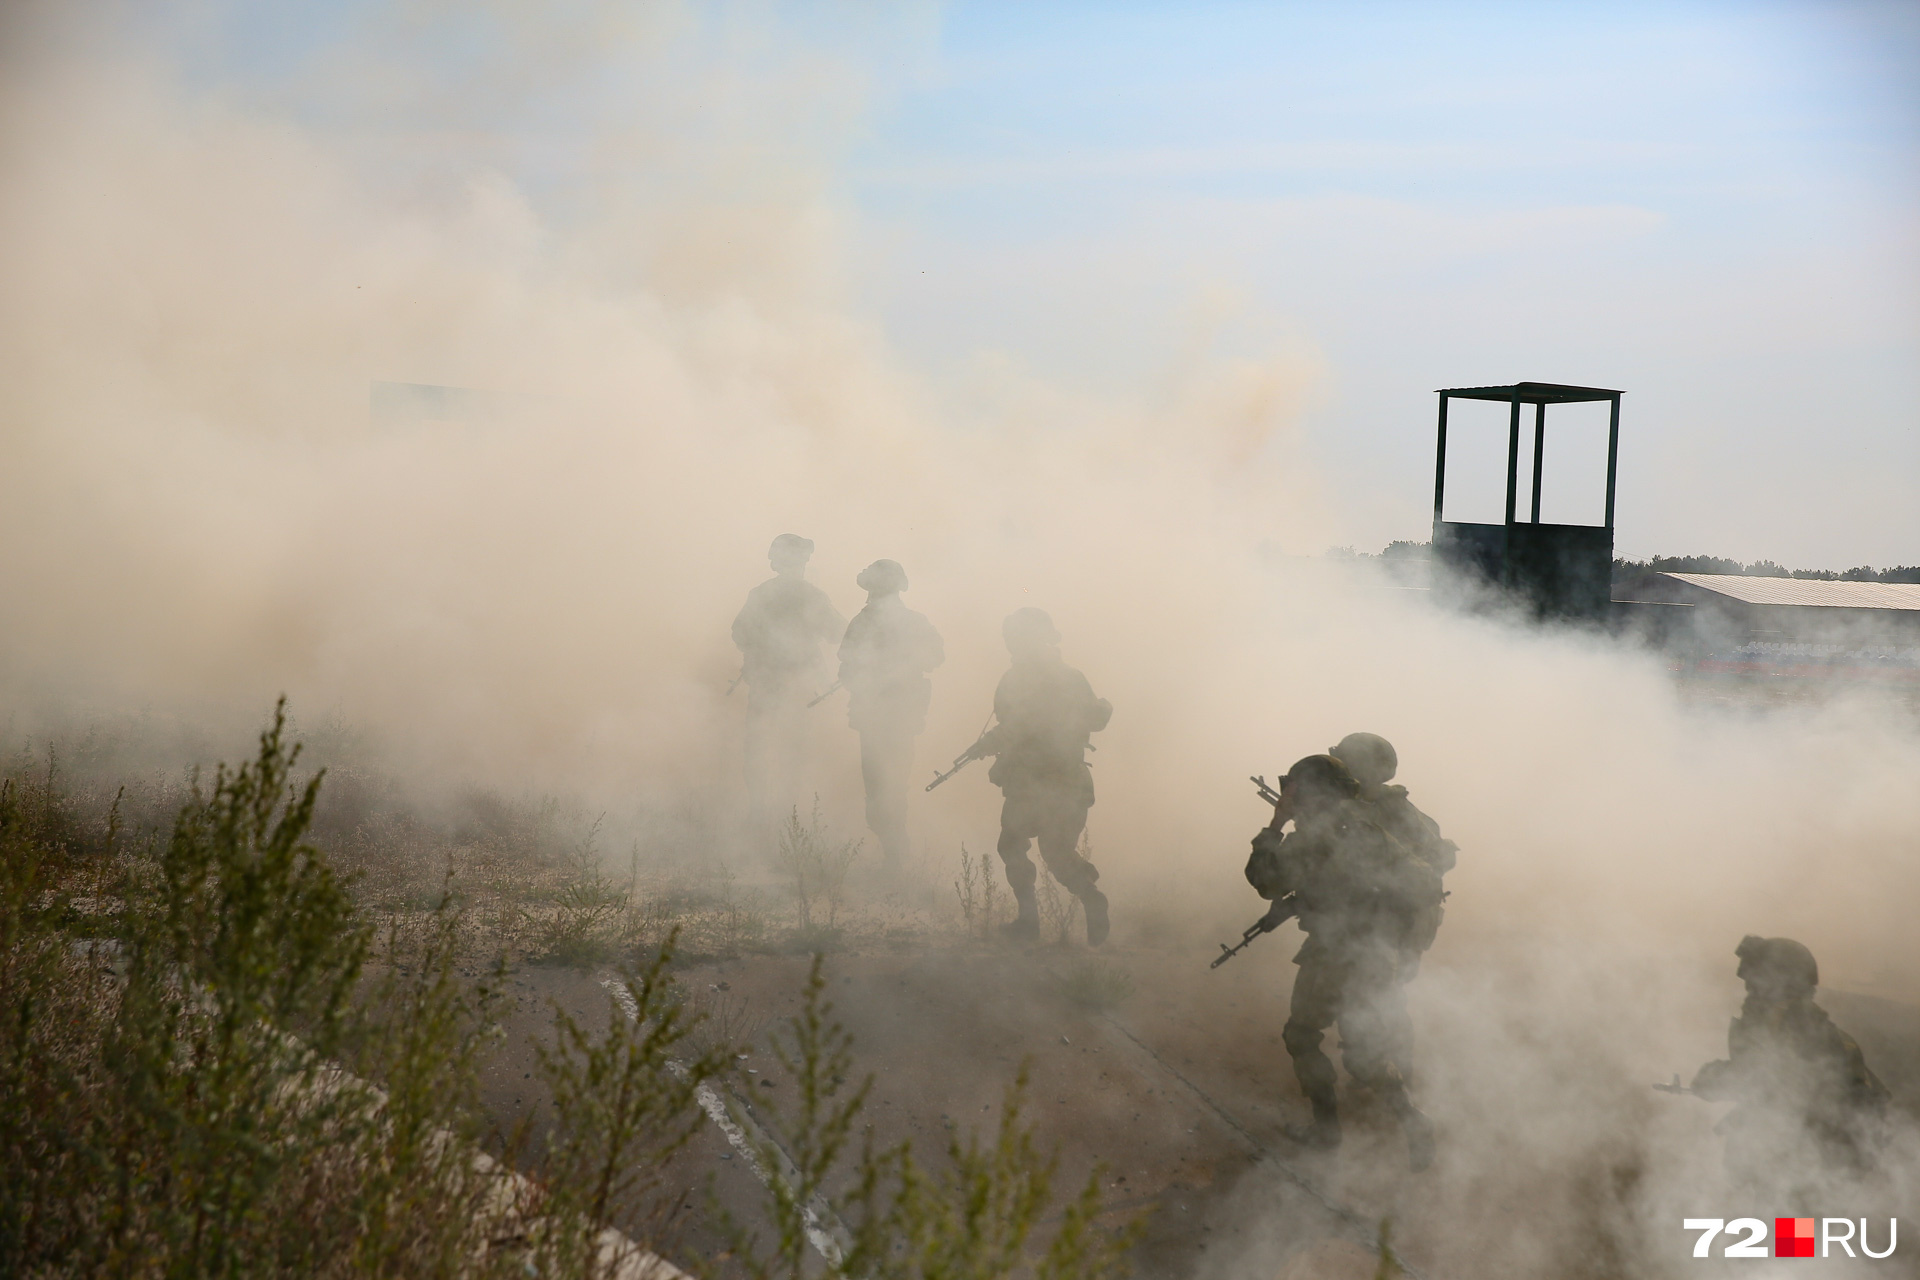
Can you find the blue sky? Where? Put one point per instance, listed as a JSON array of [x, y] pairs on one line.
[[1714, 207], [1710, 206]]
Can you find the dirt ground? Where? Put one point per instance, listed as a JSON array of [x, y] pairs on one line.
[[1178, 1095]]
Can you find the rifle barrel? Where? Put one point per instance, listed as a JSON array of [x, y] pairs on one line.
[[1267, 923], [961, 761], [958, 765]]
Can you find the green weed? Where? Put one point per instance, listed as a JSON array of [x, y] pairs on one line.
[[215, 1091], [623, 1103], [215, 1064], [883, 1214]]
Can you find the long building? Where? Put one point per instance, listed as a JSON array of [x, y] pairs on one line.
[[1784, 628]]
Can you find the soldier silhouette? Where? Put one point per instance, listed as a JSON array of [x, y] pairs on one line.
[[1045, 711], [1362, 897], [782, 633], [884, 661], [1806, 1106]]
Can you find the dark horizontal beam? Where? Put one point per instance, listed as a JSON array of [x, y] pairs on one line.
[[1531, 393]]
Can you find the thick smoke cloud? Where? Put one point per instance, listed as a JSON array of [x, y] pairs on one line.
[[202, 509], [202, 295]]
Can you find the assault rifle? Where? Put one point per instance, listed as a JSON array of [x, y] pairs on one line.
[[828, 694], [1278, 914], [1267, 793], [960, 762]]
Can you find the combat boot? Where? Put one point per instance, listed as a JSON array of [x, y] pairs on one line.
[[1094, 903], [1324, 1133], [1024, 927]]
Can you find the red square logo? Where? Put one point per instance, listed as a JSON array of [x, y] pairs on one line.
[[1793, 1237]]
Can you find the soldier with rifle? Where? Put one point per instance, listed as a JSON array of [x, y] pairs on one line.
[[1278, 914], [781, 633], [884, 661], [1044, 712], [1359, 894]]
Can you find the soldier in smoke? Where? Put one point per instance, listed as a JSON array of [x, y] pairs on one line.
[[1360, 895], [782, 632], [884, 661], [1373, 762], [1806, 1105], [1045, 711]]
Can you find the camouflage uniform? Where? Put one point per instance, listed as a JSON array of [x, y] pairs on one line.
[[781, 632], [1401, 819], [1372, 761], [884, 661], [1360, 896], [1045, 711], [1404, 821], [1805, 1100]]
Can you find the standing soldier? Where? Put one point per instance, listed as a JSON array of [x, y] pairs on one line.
[[1045, 712], [1358, 894], [781, 633], [1806, 1105], [1372, 761], [884, 661]]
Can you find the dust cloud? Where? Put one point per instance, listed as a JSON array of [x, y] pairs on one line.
[[205, 505]]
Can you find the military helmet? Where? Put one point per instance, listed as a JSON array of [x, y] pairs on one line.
[[882, 576], [1371, 757], [1326, 773], [1029, 626], [790, 544], [1778, 962]]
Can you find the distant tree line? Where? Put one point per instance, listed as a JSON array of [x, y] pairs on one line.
[[1394, 551], [1634, 573], [1639, 572]]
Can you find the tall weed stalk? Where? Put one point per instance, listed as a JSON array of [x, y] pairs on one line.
[[882, 1214], [623, 1103]]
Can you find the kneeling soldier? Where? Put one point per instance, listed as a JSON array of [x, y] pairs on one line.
[[1806, 1104]]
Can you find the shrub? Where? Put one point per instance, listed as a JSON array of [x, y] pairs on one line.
[[215, 1091]]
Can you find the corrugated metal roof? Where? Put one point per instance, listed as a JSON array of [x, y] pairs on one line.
[[1807, 591]]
